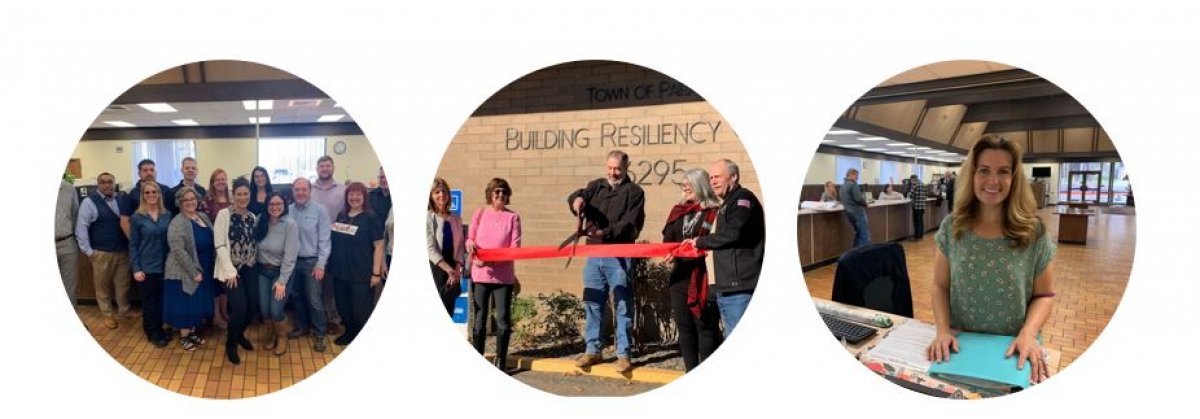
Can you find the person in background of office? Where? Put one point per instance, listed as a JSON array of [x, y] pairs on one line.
[[444, 237], [233, 232], [692, 304], [389, 228], [330, 194], [994, 248], [189, 170], [918, 194], [66, 211], [278, 246], [98, 231], [492, 227], [614, 206], [736, 239], [855, 208], [146, 173], [314, 231], [889, 194], [950, 192], [216, 200], [187, 299], [356, 261], [381, 204], [260, 190], [148, 255], [830, 194]]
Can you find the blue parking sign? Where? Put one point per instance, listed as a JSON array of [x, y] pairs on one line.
[[456, 202]]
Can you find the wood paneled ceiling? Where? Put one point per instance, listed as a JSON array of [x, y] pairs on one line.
[[949, 105]]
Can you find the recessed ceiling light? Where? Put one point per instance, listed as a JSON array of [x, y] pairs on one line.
[[912, 148], [121, 124], [851, 145], [897, 145], [158, 107], [842, 132], [872, 139], [876, 149], [262, 120], [827, 141], [337, 105], [185, 122], [923, 148], [898, 153], [331, 118], [263, 105]]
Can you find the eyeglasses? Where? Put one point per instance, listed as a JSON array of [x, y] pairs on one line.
[[499, 191]]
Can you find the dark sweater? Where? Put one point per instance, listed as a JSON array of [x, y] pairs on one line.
[[617, 211]]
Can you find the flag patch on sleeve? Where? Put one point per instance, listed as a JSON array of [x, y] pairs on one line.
[[745, 203]]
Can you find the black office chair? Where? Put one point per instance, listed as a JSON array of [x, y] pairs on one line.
[[874, 276]]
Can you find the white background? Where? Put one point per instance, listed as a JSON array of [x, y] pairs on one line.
[[411, 75]]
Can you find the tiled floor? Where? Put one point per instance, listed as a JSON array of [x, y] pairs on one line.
[[1089, 280], [205, 372]]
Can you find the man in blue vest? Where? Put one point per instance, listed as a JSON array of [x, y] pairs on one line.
[[102, 240]]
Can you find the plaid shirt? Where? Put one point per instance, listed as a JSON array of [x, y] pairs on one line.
[[918, 192]]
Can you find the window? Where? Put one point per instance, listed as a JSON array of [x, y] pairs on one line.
[[887, 172], [289, 158], [846, 163], [167, 154]]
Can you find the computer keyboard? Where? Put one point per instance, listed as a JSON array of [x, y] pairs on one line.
[[852, 333]]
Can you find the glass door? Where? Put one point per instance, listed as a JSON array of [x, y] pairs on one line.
[[1084, 187]]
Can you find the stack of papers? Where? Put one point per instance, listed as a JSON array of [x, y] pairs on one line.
[[905, 346]]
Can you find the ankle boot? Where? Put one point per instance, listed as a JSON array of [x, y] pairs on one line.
[[281, 332], [479, 340], [268, 334], [502, 351], [231, 352]]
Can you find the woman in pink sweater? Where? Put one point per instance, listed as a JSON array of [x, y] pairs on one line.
[[494, 226]]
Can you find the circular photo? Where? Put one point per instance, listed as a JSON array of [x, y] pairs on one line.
[[595, 228], [966, 229], [222, 229]]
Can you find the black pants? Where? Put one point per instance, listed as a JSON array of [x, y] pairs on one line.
[[447, 294], [241, 304], [501, 296], [698, 337], [918, 223], [355, 302], [152, 306]]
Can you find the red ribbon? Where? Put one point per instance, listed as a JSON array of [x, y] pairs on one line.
[[642, 250]]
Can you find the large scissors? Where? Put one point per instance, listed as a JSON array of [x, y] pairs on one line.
[[581, 231]]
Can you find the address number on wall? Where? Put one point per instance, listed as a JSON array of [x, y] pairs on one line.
[[647, 172]]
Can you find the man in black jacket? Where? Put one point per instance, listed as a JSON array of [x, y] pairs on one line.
[[736, 242], [614, 209]]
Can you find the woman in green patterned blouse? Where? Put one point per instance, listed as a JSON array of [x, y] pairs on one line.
[[993, 271]]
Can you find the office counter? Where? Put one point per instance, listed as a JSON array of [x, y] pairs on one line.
[[823, 235]]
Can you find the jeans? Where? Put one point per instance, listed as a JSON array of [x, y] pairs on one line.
[[862, 232], [599, 276], [918, 223], [310, 305], [270, 307], [733, 306], [500, 295]]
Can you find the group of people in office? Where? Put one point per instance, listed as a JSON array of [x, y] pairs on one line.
[[993, 264], [715, 213], [850, 196], [222, 255]]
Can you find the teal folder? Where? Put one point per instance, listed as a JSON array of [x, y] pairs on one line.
[[981, 365]]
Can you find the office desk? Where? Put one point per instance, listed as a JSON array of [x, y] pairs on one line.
[[823, 235], [860, 352], [1073, 224]]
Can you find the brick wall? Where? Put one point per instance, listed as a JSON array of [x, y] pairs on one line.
[[575, 127]]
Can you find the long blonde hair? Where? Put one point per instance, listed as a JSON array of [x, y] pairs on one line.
[[1021, 222]]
